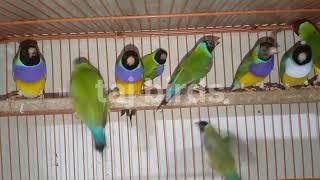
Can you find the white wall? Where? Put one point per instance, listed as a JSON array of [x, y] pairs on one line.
[[273, 141]]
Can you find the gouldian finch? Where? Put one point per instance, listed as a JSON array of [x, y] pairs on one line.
[[88, 103], [193, 67], [153, 64], [218, 151], [129, 75], [308, 32], [29, 70], [296, 64], [257, 64]]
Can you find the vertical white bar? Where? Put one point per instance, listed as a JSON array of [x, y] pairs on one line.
[[5, 148], [3, 67]]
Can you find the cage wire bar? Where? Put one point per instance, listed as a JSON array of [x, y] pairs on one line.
[[271, 141], [274, 141]]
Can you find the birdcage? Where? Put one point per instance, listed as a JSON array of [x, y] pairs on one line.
[[276, 132]]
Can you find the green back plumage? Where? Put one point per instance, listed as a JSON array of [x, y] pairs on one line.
[[310, 33], [248, 59], [85, 95], [149, 65], [194, 66], [219, 152]]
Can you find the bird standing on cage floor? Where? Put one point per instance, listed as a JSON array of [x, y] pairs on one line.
[[153, 65], [256, 65], [310, 34], [29, 71], [218, 151], [129, 76], [194, 66], [89, 101], [296, 65]]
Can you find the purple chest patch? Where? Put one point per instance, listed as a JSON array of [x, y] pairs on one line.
[[129, 75], [29, 73], [159, 69], [262, 69]]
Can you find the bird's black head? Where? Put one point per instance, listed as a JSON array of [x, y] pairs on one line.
[[81, 60], [210, 42], [161, 56], [130, 59], [29, 52], [302, 54], [202, 125]]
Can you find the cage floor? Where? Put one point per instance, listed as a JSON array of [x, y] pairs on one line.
[[271, 141]]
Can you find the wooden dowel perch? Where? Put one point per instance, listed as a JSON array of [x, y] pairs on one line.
[[63, 105]]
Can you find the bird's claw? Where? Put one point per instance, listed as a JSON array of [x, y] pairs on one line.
[[115, 92], [12, 99], [200, 89], [41, 97], [148, 87]]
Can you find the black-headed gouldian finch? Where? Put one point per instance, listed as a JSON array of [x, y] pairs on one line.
[[257, 64], [296, 65], [153, 64], [88, 103], [194, 66], [310, 34], [218, 151], [129, 75], [29, 70]]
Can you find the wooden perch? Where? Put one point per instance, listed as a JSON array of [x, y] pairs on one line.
[[63, 105]]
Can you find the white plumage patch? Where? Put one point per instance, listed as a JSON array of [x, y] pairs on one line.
[[297, 71]]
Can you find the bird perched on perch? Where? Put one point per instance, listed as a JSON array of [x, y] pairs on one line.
[[309, 33], [29, 70], [194, 66], [153, 64], [129, 75], [257, 64], [296, 64], [88, 99], [218, 151]]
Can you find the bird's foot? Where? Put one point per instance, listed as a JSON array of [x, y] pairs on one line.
[[148, 87], [41, 97], [250, 89], [314, 80], [115, 92], [306, 85], [200, 89], [263, 86], [13, 96]]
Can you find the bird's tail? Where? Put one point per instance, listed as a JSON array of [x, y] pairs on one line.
[[235, 85], [99, 138], [129, 113], [170, 92], [233, 176], [163, 103]]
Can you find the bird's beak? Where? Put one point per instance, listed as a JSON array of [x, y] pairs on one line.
[[274, 50]]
